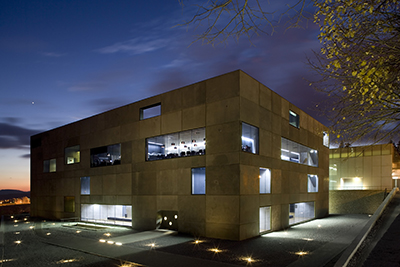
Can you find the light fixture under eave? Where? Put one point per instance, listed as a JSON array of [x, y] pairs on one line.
[[301, 253]]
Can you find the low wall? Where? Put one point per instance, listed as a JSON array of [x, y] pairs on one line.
[[14, 209], [355, 201]]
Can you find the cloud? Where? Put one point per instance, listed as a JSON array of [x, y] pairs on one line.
[[104, 104], [25, 156], [12, 136], [135, 46], [88, 86], [51, 54]]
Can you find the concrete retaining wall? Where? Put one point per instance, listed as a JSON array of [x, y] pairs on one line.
[[355, 201]]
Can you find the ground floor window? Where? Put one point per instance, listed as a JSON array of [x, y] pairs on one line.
[[69, 204], [299, 212], [265, 219], [109, 214]]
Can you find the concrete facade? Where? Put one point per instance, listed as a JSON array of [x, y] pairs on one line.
[[157, 189], [374, 167]]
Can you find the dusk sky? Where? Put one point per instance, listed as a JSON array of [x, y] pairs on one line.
[[62, 61]]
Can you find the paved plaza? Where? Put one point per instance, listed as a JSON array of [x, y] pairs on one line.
[[45, 243]]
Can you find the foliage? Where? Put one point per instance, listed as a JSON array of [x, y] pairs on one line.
[[235, 18], [360, 65]]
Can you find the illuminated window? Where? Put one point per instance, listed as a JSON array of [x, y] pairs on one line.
[[72, 155], [174, 145], [150, 111], [265, 181], [325, 139], [85, 185], [49, 165], [312, 183], [105, 155], [249, 138], [69, 204], [108, 214], [265, 219], [198, 181], [294, 119], [299, 212], [295, 152]]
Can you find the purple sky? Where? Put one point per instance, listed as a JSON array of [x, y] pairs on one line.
[[62, 61]]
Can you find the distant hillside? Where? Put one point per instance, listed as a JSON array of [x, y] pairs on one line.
[[8, 194]]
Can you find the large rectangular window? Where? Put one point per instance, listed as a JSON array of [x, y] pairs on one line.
[[72, 154], [49, 165], [85, 185], [108, 214], [198, 181], [312, 186], [182, 144], [295, 152], [265, 181], [105, 155], [294, 119], [150, 111], [249, 138], [299, 212], [265, 219]]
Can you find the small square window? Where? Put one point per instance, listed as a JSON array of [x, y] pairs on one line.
[[294, 119], [49, 165], [198, 181], [150, 111], [72, 155]]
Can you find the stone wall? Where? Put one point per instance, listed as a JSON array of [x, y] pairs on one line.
[[355, 201]]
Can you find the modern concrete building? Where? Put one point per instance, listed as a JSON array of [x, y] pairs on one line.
[[224, 158], [374, 167]]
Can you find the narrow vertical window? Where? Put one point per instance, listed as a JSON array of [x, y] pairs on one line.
[[150, 111], [249, 138], [325, 139], [69, 204], [265, 181], [72, 155], [85, 185], [198, 181], [312, 183], [294, 119], [265, 219]]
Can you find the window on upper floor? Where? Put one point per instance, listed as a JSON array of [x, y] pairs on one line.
[[295, 152], [72, 154], [294, 119], [49, 165], [265, 181], [312, 186], [199, 181], [85, 185], [249, 138], [150, 111], [174, 145], [325, 139], [105, 155]]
